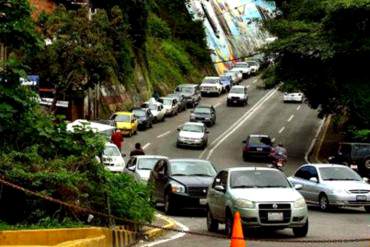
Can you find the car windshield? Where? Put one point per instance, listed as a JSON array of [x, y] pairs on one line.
[[202, 110], [225, 78], [241, 65], [111, 151], [192, 168], [251, 63], [237, 90], [210, 81], [147, 163], [260, 140], [186, 89], [193, 128], [167, 101], [153, 107], [338, 173], [139, 113], [122, 118], [258, 179]]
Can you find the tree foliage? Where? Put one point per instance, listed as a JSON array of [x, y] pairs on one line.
[[324, 50]]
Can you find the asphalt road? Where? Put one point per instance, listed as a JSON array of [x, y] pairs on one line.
[[294, 125]]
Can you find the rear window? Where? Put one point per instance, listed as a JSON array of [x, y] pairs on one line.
[[257, 140]]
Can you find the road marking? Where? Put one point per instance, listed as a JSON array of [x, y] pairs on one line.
[[254, 81], [164, 134], [217, 105], [273, 139], [298, 107], [281, 130], [221, 138], [291, 117], [147, 145], [176, 236], [309, 150], [248, 86]]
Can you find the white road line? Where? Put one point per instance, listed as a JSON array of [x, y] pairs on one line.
[[237, 124], [281, 130], [291, 117], [176, 236], [254, 81], [309, 150], [147, 145], [298, 107], [217, 105], [164, 134], [273, 139]]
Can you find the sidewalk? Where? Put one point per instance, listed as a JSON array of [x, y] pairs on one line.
[[162, 221]]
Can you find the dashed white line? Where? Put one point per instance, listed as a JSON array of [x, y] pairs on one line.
[[164, 134], [146, 145], [281, 130], [217, 105], [273, 139], [298, 107], [290, 118]]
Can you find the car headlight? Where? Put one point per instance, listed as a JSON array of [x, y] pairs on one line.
[[241, 203], [177, 188], [300, 203], [338, 191]]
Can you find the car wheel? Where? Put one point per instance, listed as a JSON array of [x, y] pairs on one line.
[[178, 145], [169, 205], [163, 119], [302, 231], [229, 225], [366, 166], [324, 202], [151, 125], [212, 224], [227, 104], [367, 209]]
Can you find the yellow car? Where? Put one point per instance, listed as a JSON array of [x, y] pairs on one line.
[[126, 122]]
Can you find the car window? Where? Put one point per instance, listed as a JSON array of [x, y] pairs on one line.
[[303, 173], [202, 110], [147, 163], [257, 140], [312, 172], [139, 113], [237, 90], [221, 179], [131, 162], [192, 168], [193, 128], [338, 173], [258, 179], [122, 118]]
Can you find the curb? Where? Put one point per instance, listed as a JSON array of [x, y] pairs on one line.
[[156, 232], [317, 141]]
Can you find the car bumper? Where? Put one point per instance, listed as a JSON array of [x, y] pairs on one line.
[[235, 101], [206, 121], [253, 218], [188, 201], [293, 99], [126, 131], [189, 143], [350, 200], [256, 154], [208, 91]]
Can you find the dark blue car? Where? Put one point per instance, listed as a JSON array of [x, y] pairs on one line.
[[257, 146]]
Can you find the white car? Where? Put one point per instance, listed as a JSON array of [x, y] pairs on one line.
[[112, 158], [156, 108], [293, 97], [140, 166], [211, 85], [237, 95], [244, 68], [254, 66], [263, 197], [192, 134], [170, 105]]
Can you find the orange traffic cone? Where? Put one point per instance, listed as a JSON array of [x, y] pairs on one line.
[[237, 237]]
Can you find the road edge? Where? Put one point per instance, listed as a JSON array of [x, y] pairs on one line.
[[313, 151], [154, 233]]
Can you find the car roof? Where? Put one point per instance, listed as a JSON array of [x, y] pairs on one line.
[[211, 77], [238, 86], [258, 135], [123, 113], [151, 157], [249, 168], [194, 123], [167, 97], [187, 85], [204, 106], [190, 159], [109, 144], [319, 165]]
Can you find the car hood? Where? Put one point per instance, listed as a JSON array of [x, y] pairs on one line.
[[123, 125], [193, 181], [347, 185], [144, 174], [204, 115], [266, 194], [188, 134], [235, 95]]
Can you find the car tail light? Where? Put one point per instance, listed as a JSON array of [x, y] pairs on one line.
[[246, 149]]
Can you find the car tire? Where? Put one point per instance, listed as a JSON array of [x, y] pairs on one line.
[[324, 202], [212, 224], [151, 125], [169, 205], [367, 209], [178, 145], [229, 225], [227, 104], [302, 231]]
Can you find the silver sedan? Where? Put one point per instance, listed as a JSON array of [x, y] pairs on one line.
[[330, 185]]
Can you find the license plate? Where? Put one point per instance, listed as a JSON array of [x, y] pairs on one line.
[[235, 101], [259, 149], [275, 216], [353, 167], [361, 198], [203, 201]]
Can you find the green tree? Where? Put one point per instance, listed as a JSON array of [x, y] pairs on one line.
[[323, 49]]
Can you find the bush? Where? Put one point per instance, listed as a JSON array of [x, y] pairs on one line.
[[158, 28]]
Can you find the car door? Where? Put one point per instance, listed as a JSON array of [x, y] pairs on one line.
[[154, 181], [218, 196], [162, 180], [312, 187], [301, 177]]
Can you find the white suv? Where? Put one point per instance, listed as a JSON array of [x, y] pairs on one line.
[[211, 85], [263, 196], [244, 68], [237, 95]]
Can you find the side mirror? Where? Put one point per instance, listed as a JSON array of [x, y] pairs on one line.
[[244, 141], [366, 180], [124, 155], [220, 188], [331, 159], [314, 179], [298, 186]]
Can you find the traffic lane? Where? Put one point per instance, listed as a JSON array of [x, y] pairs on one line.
[[270, 119], [165, 143], [161, 130], [352, 224]]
